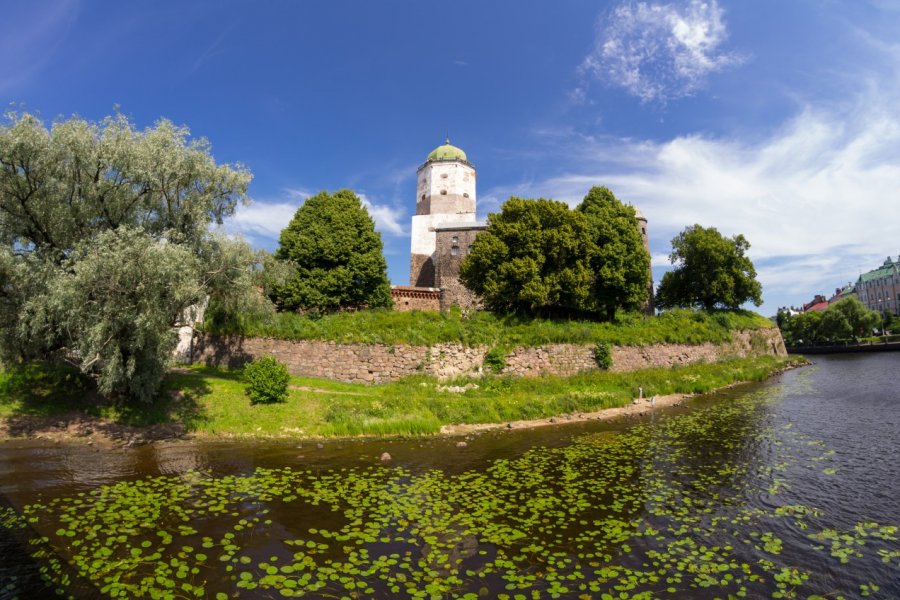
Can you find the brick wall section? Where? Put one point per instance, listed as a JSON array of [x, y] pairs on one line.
[[378, 363], [408, 298]]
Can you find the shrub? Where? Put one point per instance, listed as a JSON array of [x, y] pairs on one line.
[[603, 355], [495, 359], [267, 380]]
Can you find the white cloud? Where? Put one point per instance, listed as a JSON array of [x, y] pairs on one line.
[[816, 198], [659, 51], [264, 220], [387, 218]]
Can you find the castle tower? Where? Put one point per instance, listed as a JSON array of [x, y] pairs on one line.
[[642, 226], [445, 197]]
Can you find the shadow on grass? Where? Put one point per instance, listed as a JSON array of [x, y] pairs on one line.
[[47, 398]]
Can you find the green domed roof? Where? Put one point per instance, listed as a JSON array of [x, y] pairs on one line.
[[447, 152]]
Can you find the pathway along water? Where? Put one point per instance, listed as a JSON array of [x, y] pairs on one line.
[[784, 489]]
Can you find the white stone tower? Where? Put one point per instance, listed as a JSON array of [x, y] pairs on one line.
[[445, 196]]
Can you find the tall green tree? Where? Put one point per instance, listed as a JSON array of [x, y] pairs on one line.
[[105, 243], [532, 258], [861, 321], [336, 254], [618, 260], [711, 271]]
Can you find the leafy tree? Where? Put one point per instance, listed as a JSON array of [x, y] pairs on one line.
[[845, 319], [533, 257], [861, 320], [619, 262], [889, 321], [337, 255], [712, 271], [105, 244]]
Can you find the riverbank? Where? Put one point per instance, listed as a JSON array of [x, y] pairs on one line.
[[208, 403]]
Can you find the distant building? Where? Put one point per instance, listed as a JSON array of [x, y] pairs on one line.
[[817, 303], [879, 289], [443, 231], [843, 293]]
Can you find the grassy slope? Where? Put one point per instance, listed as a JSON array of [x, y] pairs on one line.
[[483, 328], [213, 402]]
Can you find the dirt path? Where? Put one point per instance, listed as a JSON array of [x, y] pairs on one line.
[[637, 407]]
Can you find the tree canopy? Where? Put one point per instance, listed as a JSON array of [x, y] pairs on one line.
[[540, 257], [336, 255], [843, 320], [105, 243], [618, 260], [711, 271]]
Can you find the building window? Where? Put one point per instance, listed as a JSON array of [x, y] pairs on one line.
[[454, 250], [465, 194], [455, 240], [423, 196], [443, 192]]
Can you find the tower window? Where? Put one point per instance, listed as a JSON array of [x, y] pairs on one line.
[[443, 176], [423, 196], [465, 194], [443, 192]]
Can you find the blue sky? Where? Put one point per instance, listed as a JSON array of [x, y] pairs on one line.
[[779, 120]]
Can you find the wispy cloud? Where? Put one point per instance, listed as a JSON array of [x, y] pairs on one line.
[[658, 52], [30, 37]]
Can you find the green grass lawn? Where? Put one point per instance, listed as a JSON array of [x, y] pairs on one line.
[[485, 328], [213, 402]]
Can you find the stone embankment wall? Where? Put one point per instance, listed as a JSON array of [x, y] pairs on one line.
[[379, 363]]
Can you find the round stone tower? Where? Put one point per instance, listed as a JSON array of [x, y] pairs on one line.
[[445, 196]]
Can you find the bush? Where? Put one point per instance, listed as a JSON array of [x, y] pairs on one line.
[[267, 380], [603, 355], [495, 359]]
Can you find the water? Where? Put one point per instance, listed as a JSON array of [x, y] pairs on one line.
[[787, 488]]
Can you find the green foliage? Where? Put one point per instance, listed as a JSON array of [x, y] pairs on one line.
[[267, 380], [532, 259], [336, 257], [537, 257], [844, 320], [487, 329], [619, 262], [495, 359], [862, 321], [105, 244], [712, 271], [603, 355], [40, 388]]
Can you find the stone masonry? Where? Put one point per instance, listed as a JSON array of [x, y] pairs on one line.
[[378, 363]]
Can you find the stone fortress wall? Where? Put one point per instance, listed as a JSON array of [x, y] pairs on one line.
[[378, 363]]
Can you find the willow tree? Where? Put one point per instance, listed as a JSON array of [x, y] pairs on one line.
[[105, 243]]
